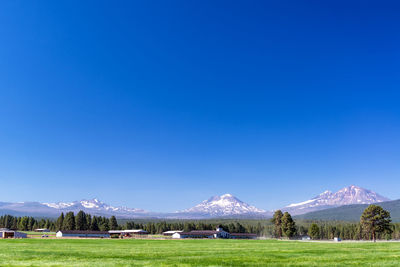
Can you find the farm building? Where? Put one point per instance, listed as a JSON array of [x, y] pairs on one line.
[[128, 233], [170, 233], [42, 230], [87, 234], [7, 233], [219, 233]]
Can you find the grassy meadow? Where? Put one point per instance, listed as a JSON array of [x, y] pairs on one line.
[[108, 252]]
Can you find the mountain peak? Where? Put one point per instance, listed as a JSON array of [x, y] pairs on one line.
[[346, 196], [224, 205]]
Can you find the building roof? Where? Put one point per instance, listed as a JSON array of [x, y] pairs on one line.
[[83, 232], [211, 232], [200, 232], [6, 230], [172, 232], [127, 231]]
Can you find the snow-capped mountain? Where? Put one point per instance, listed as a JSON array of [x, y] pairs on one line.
[[346, 196], [224, 205], [94, 206]]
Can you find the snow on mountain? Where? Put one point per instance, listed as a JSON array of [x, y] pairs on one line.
[[93, 206], [224, 205], [346, 196]]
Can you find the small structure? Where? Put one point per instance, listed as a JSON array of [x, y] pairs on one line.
[[242, 236], [83, 234], [42, 230], [170, 233], [219, 233], [127, 233], [337, 239], [306, 238], [7, 233]]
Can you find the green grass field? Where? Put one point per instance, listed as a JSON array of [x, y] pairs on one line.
[[106, 252]]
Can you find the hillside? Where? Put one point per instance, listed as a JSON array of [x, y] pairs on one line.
[[351, 212]]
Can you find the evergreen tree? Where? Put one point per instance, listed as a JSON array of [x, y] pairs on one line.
[[314, 231], [14, 223], [69, 221], [288, 225], [60, 222], [80, 221], [23, 224], [375, 220], [277, 221], [94, 226], [113, 223], [88, 221]]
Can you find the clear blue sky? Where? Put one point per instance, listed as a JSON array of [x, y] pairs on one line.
[[161, 104]]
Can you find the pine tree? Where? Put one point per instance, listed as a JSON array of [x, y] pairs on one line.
[[69, 221], [113, 223], [60, 222], [88, 221], [314, 231], [375, 220], [80, 221], [94, 226], [288, 225], [277, 221]]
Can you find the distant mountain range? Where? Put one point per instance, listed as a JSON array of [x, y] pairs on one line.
[[225, 206], [92, 206]]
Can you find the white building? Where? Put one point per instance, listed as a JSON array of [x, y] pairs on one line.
[[170, 233], [83, 234], [219, 233]]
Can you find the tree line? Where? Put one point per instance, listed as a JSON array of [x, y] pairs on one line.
[[375, 223], [80, 221], [83, 221], [24, 223]]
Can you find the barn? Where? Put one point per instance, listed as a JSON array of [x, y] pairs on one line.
[[42, 230], [127, 233], [219, 233], [83, 234], [7, 233]]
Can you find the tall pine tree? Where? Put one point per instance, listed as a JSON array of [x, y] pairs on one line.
[[375, 220], [69, 221], [288, 225], [60, 222], [113, 223], [80, 221], [277, 221]]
